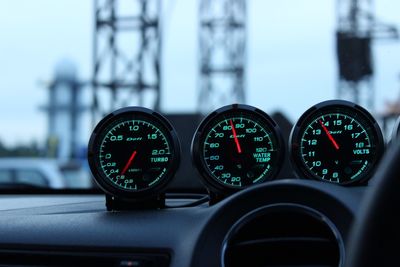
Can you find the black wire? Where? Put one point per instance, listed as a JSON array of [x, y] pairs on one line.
[[195, 203], [185, 195]]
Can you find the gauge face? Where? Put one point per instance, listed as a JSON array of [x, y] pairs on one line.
[[133, 150], [336, 141], [237, 146]]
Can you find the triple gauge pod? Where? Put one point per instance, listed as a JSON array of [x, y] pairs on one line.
[[134, 152]]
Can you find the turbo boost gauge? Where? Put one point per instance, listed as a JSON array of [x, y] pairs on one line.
[[235, 147], [336, 141], [133, 153]]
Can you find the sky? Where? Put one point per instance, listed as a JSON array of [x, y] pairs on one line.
[[291, 62]]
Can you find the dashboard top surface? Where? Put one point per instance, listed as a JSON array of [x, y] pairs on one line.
[[81, 221]]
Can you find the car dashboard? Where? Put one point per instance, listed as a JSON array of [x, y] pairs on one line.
[[76, 230], [234, 201]]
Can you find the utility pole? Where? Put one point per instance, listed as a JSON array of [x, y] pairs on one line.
[[222, 45], [126, 55]]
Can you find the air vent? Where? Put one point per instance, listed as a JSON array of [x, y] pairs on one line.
[[283, 235]]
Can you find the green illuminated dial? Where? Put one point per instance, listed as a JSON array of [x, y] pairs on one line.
[[134, 154], [349, 159], [337, 142], [133, 150], [237, 146]]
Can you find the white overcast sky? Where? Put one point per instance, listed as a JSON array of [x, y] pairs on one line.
[[291, 62]]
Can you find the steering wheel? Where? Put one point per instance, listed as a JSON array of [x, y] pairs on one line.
[[376, 232]]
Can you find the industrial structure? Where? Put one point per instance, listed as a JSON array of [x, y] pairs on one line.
[[222, 50], [126, 55], [127, 46], [64, 111], [357, 27]]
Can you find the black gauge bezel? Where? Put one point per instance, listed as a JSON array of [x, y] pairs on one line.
[[131, 113], [345, 107], [209, 181]]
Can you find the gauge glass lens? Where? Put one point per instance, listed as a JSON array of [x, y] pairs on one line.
[[339, 145], [133, 151], [240, 148], [134, 154]]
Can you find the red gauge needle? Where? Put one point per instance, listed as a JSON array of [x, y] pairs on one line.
[[239, 149], [128, 163], [335, 144]]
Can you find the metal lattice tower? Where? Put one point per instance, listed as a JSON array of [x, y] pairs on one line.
[[222, 44], [126, 55], [357, 28]]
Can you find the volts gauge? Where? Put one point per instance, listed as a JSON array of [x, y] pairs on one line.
[[235, 147], [336, 141], [133, 153]]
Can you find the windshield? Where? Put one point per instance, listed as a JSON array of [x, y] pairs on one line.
[[67, 64]]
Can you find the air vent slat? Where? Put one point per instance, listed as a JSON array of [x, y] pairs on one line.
[[283, 240]]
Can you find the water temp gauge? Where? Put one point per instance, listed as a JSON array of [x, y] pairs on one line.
[[133, 153], [237, 146], [336, 141]]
